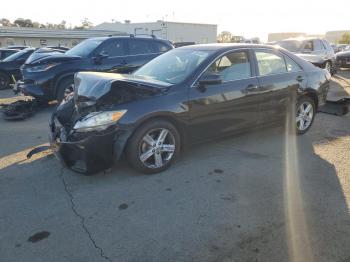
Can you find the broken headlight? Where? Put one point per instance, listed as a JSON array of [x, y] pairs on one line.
[[41, 68], [98, 121]]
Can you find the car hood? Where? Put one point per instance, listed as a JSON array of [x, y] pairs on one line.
[[47, 57], [92, 89], [344, 53], [311, 58]]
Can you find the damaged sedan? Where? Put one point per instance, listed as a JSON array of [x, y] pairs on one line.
[[185, 96]]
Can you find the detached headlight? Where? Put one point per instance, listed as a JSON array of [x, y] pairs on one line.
[[98, 121], [41, 68]]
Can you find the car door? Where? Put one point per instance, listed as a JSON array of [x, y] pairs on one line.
[[279, 78], [226, 107], [110, 56], [141, 51]]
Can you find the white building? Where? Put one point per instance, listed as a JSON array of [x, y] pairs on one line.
[[38, 37], [175, 32]]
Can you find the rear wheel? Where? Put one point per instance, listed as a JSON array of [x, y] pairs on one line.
[[305, 114], [65, 87], [4, 81], [153, 147]]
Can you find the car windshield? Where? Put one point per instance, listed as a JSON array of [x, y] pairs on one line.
[[291, 45], [15, 56], [84, 48], [174, 66]]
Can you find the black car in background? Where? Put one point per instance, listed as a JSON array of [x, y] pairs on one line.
[[51, 76], [10, 67], [188, 95], [5, 52], [343, 59], [317, 51]]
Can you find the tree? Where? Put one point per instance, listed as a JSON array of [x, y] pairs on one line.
[[345, 39], [5, 22], [20, 22], [225, 37], [85, 24]]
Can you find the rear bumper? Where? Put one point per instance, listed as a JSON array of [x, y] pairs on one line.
[[84, 153]]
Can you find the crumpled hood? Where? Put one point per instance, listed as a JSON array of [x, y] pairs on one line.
[[47, 57], [311, 58], [93, 88]]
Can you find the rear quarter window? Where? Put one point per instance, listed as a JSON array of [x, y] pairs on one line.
[[161, 47]]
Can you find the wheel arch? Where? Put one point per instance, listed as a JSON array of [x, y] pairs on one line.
[[312, 94], [166, 116], [59, 81]]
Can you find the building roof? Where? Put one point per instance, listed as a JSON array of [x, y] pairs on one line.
[[54, 33]]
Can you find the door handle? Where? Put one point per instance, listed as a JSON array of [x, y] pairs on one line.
[[251, 88], [300, 78]]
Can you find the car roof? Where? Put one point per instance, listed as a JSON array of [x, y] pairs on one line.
[[103, 38], [225, 46], [9, 49]]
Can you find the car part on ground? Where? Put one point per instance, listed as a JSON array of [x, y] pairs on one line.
[[340, 107], [44, 73], [20, 109], [186, 96]]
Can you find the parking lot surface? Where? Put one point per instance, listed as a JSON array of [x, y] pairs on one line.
[[263, 196]]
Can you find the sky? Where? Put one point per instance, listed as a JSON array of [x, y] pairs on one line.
[[243, 17]]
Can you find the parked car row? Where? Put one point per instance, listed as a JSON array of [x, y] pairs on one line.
[[10, 67]]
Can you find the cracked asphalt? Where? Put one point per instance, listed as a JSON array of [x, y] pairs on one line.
[[262, 196]]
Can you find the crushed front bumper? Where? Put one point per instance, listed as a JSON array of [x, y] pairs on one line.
[[86, 153]]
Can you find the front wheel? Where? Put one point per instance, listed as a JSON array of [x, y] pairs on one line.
[[153, 147], [65, 87], [305, 114]]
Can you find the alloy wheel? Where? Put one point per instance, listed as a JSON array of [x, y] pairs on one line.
[[157, 148], [304, 117]]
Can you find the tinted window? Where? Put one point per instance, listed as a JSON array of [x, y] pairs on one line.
[[232, 66], [84, 48], [138, 47], [291, 65], [318, 45], [308, 45], [270, 63], [23, 54], [161, 47], [114, 48]]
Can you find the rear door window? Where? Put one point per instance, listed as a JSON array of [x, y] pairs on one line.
[[115, 47], [139, 47], [270, 63], [318, 45]]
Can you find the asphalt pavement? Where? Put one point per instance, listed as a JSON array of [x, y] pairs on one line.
[[263, 196]]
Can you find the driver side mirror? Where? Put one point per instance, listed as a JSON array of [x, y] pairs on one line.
[[212, 79], [100, 57]]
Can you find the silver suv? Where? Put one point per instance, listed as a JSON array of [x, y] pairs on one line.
[[315, 50]]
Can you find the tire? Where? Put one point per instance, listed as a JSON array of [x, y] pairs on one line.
[[65, 84], [4, 81], [145, 142], [304, 120]]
